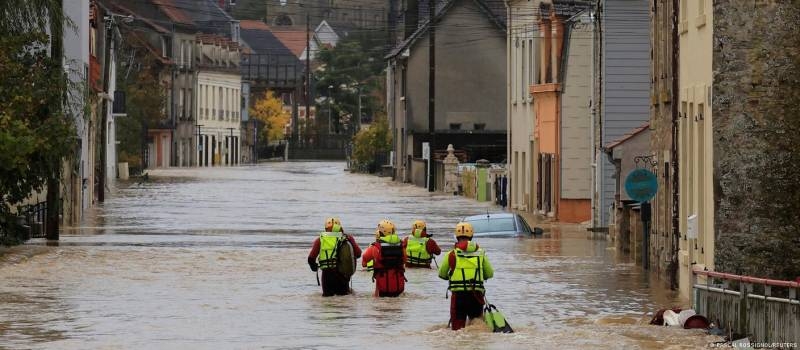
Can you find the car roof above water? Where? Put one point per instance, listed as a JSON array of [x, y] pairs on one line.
[[490, 216]]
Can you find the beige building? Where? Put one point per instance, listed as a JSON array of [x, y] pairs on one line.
[[218, 106], [521, 55], [696, 210], [549, 93]]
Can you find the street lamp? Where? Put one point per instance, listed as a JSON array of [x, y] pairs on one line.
[[110, 24], [330, 89]]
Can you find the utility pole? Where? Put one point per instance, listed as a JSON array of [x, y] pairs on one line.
[[53, 182], [432, 88], [676, 233], [108, 22]]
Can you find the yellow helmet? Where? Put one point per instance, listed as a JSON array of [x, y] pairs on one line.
[[464, 229], [417, 227], [331, 223], [385, 228]]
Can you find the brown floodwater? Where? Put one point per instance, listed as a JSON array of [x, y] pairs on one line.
[[216, 259]]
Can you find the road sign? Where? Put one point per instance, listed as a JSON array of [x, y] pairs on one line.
[[641, 185], [426, 150]]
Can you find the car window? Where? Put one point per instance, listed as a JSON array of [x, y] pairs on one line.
[[493, 225], [524, 224]]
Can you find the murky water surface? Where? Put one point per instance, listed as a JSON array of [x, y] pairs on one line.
[[216, 259]]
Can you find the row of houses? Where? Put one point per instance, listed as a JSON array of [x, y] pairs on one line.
[[590, 91], [208, 64]]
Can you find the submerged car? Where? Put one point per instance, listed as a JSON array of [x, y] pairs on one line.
[[501, 225]]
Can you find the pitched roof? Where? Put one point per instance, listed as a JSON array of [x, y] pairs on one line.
[[263, 41], [171, 10], [253, 24], [441, 10], [127, 11], [294, 40], [628, 136]]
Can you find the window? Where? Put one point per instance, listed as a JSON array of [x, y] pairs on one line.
[[514, 76], [165, 46], [523, 72], [683, 10], [183, 54], [531, 68], [189, 57], [403, 82], [455, 126], [479, 126], [221, 102], [181, 97], [93, 41], [189, 104]]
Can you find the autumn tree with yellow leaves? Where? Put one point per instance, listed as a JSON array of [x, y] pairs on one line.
[[269, 110]]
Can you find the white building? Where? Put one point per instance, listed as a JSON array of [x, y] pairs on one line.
[[521, 57], [218, 103]]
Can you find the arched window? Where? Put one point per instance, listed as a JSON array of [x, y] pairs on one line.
[[283, 20]]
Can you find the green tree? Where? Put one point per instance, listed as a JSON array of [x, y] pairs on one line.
[[146, 101], [351, 69], [35, 134], [371, 142]]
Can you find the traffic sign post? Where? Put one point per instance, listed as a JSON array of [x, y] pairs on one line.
[[641, 185]]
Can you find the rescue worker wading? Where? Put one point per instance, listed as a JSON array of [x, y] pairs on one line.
[[387, 257], [324, 255], [466, 267], [419, 246]]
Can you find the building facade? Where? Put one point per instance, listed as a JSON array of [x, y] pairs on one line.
[[754, 129], [523, 36], [663, 142], [562, 95], [622, 90], [696, 211], [217, 138], [470, 109]]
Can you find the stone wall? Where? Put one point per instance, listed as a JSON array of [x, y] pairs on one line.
[[756, 107]]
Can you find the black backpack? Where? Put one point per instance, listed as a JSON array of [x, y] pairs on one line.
[[391, 255]]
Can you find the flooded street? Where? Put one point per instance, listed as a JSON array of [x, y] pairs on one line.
[[216, 259]]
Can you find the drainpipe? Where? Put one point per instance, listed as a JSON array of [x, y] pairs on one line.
[[676, 234], [593, 115], [509, 144]]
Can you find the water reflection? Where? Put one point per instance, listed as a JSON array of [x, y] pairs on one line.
[[215, 258]]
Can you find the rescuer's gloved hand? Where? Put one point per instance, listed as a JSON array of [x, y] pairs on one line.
[[313, 265]]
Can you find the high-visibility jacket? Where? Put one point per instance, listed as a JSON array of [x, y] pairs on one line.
[[417, 250], [328, 245], [468, 272], [370, 265]]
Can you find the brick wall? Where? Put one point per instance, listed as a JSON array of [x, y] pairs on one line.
[[756, 109]]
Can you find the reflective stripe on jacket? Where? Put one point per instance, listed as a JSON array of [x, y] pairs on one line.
[[468, 271]]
